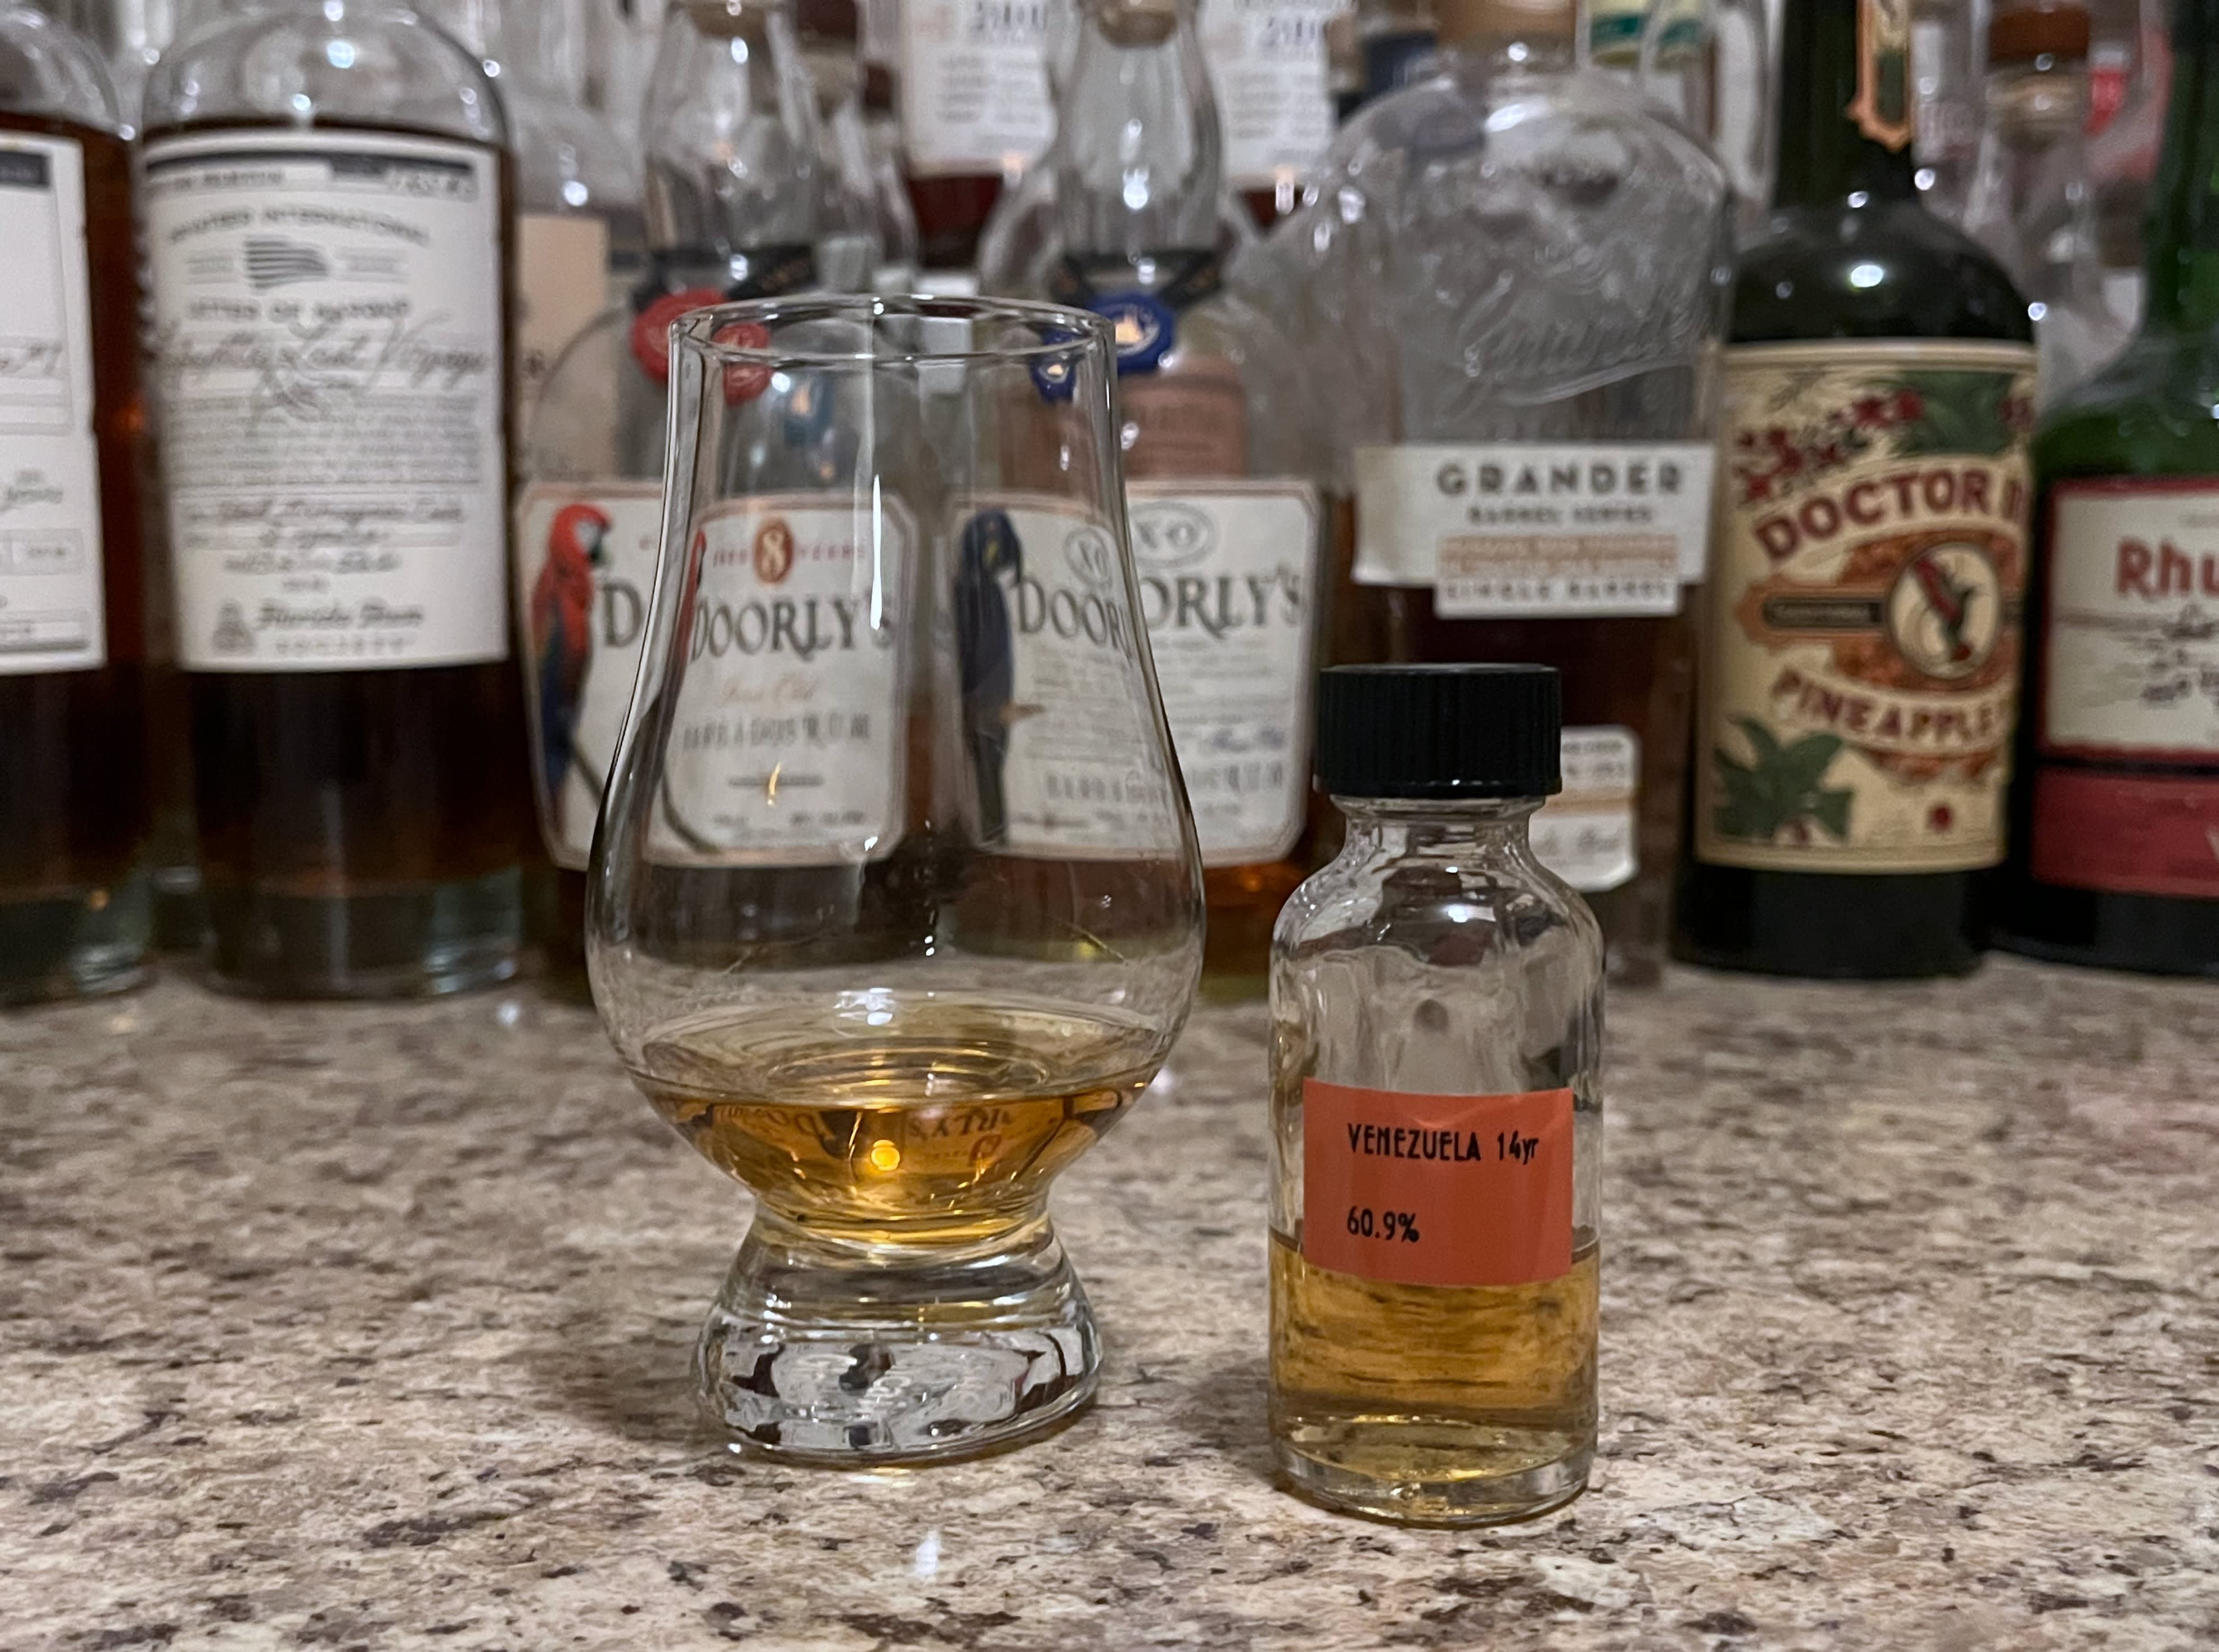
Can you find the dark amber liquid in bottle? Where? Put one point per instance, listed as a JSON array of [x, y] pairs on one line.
[[1849, 253], [361, 831], [73, 808]]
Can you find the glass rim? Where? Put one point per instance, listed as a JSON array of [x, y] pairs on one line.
[[696, 330]]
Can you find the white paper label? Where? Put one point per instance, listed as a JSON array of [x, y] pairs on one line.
[[974, 85], [562, 286], [1585, 833], [786, 735], [1505, 529], [1267, 64], [52, 613], [2133, 647], [329, 313], [585, 568], [1228, 591], [1062, 755]]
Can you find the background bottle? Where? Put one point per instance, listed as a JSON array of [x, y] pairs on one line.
[[1125, 215], [2030, 204], [1861, 658], [1520, 344], [1267, 66], [338, 516], [2114, 802], [972, 88], [73, 801]]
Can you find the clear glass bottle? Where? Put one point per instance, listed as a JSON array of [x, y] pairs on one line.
[[2031, 204], [73, 656], [1268, 64], [338, 511], [578, 234], [1946, 95], [1436, 1116], [972, 87], [1675, 52], [1126, 215], [1517, 284], [871, 231]]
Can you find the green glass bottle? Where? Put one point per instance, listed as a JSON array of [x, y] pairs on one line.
[[1862, 655], [2115, 803]]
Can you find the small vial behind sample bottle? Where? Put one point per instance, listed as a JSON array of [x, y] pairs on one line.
[[1436, 1115]]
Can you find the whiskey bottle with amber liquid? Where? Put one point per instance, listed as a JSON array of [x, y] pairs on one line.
[[74, 909], [2114, 797], [1516, 286], [327, 208], [1123, 218], [1861, 659]]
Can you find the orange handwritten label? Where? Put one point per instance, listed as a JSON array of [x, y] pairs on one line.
[[1414, 1189]]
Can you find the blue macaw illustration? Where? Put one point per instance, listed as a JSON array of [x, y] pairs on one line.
[[988, 549]]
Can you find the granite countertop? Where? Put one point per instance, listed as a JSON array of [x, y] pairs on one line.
[[340, 1327]]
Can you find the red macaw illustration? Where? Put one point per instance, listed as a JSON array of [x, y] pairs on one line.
[[562, 636]]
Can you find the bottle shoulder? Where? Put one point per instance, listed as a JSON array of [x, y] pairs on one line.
[[1892, 271], [2154, 410], [352, 63], [54, 71]]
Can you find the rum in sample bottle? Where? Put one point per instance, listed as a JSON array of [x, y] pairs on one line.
[[329, 298], [971, 85], [74, 911], [1853, 737]]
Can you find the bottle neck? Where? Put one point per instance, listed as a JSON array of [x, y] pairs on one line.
[[1139, 165], [2183, 232], [1505, 40], [1845, 108], [729, 136], [1396, 827], [524, 43]]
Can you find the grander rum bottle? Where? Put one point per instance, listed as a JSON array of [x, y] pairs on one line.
[[1861, 665], [327, 205], [1122, 218], [73, 805], [1517, 288], [2115, 805]]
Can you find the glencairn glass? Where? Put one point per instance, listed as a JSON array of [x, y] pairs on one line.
[[895, 903]]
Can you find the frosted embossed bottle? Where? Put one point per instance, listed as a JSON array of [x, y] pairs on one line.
[[1436, 1116], [1517, 279]]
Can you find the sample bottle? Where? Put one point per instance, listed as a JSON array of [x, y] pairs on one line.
[[1517, 320], [971, 85], [327, 203], [1436, 1115], [74, 913], [1268, 67], [1124, 216], [2114, 796], [1860, 663]]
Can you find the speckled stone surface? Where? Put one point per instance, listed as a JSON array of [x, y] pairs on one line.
[[366, 1328]]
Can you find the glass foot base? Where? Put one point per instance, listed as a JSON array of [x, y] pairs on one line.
[[852, 1355], [1431, 1482], [390, 944], [80, 944]]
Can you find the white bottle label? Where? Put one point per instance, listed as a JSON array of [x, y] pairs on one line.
[[1228, 592], [785, 739], [1059, 750], [1508, 530], [974, 85], [1267, 64], [561, 287], [585, 568], [1585, 833], [329, 313], [53, 616]]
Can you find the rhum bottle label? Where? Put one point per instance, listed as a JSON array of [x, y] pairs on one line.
[[584, 567], [328, 310], [2126, 795], [1863, 646], [1521, 529], [1225, 571], [785, 738], [53, 613]]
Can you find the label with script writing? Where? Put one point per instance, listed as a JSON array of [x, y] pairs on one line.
[[329, 318], [52, 615]]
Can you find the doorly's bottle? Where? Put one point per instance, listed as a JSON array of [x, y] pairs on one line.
[[1861, 665]]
